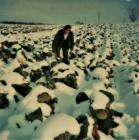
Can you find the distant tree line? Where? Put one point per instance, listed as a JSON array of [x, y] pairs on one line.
[[22, 23], [133, 16], [79, 22]]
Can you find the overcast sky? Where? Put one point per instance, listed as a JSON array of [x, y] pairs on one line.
[[65, 11]]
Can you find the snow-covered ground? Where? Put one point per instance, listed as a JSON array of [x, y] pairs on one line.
[[44, 99]]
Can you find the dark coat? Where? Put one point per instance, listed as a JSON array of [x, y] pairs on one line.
[[60, 42]]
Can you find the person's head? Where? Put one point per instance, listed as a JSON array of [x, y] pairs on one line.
[[67, 28]]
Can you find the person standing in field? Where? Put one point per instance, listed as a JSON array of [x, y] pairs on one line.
[[64, 40]]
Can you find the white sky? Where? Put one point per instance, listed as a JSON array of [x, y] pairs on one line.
[[64, 11]]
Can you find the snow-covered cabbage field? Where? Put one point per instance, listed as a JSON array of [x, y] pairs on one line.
[[41, 98]]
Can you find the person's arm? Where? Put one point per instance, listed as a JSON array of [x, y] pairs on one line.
[[54, 43]]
